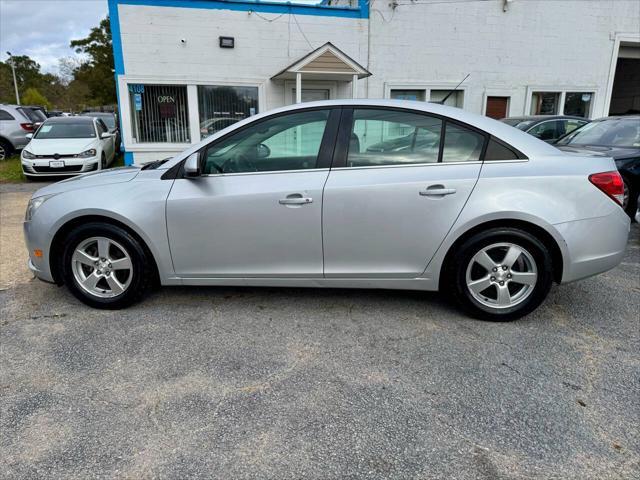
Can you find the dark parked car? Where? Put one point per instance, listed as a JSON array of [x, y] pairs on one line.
[[546, 127], [616, 137], [110, 120]]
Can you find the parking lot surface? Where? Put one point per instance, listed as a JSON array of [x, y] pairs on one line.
[[293, 383]]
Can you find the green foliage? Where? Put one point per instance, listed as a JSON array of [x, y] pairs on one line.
[[98, 72], [33, 97], [84, 81], [11, 170]]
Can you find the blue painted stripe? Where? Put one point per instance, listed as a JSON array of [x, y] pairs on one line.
[[362, 11], [116, 39], [128, 158]]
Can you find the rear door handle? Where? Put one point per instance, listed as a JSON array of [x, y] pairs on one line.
[[437, 191], [295, 199]]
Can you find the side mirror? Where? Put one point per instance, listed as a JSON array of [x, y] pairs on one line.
[[29, 136], [192, 165], [262, 151], [106, 135]]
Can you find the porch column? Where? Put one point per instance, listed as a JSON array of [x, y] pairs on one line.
[[354, 86], [298, 87]]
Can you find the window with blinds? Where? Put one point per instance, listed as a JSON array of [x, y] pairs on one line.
[[221, 106], [159, 113]]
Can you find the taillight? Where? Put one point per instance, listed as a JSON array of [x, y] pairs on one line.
[[610, 183], [27, 126]]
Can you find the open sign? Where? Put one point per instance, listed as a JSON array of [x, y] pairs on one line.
[[166, 99]]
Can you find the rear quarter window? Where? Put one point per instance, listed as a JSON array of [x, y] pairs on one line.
[[497, 150], [4, 115]]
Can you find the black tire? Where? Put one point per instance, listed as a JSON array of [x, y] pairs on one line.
[[456, 274], [103, 161], [141, 271], [5, 149], [632, 204]]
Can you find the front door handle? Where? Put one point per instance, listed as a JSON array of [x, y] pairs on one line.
[[295, 199], [437, 191]]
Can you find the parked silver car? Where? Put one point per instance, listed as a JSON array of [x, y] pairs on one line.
[[14, 127], [489, 215]]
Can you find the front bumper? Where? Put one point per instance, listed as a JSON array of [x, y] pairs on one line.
[[594, 245], [42, 168], [35, 238]]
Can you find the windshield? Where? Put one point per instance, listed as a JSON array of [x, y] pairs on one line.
[[614, 132], [66, 130]]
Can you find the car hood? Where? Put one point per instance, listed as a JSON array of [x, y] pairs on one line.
[[62, 146], [104, 177], [617, 153]]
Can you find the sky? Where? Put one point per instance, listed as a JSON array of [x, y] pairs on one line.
[[42, 29]]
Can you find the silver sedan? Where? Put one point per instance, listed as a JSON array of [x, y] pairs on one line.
[[348, 194]]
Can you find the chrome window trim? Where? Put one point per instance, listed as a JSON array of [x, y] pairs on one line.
[[268, 172]]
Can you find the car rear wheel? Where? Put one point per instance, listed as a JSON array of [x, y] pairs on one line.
[[501, 274], [5, 150], [105, 267]]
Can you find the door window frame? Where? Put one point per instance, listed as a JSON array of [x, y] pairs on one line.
[[325, 152], [346, 126]]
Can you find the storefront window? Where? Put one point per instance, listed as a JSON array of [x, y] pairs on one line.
[[408, 95], [159, 113], [545, 103], [223, 106], [578, 103], [453, 99]]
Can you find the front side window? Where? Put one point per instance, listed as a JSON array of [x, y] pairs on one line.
[[286, 142], [221, 106], [159, 113], [545, 103], [547, 130], [66, 130], [389, 137]]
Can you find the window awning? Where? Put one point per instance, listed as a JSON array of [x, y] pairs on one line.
[[327, 62]]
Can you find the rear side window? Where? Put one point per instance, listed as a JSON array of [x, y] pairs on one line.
[[389, 137], [462, 144], [4, 115]]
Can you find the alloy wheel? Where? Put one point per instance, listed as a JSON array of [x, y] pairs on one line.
[[3, 152], [102, 267], [501, 275]]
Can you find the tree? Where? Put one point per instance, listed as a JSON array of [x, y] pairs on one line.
[[98, 71], [33, 97]]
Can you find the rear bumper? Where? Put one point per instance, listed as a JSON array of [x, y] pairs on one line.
[[594, 245]]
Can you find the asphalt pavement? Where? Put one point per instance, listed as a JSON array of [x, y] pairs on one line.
[[266, 383]]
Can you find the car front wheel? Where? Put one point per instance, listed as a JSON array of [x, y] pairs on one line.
[[104, 266], [501, 274]]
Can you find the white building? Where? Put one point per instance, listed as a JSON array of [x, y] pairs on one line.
[[186, 68]]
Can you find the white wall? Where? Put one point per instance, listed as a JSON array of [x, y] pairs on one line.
[[559, 44]]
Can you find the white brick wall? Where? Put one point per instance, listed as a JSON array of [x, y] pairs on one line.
[[559, 44]]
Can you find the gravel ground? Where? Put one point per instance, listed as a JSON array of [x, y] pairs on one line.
[[293, 383]]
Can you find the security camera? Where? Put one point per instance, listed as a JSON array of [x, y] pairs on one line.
[[183, 41]]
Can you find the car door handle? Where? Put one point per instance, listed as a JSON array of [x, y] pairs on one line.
[[437, 191], [295, 199]]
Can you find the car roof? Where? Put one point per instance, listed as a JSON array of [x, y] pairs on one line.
[[526, 118], [618, 117], [97, 114], [527, 144]]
